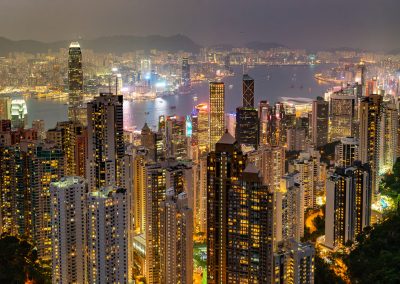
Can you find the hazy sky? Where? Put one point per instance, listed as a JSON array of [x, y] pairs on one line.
[[305, 23]]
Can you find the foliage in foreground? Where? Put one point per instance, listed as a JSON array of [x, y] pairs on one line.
[[376, 259], [19, 262]]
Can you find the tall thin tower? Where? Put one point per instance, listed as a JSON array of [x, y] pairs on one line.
[[75, 79], [217, 112]]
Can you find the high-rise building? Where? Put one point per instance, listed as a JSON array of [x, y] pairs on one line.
[[186, 81], [309, 168], [108, 236], [248, 91], [160, 177], [370, 131], [176, 239], [202, 128], [296, 139], [294, 263], [105, 148], [217, 113], [346, 152], [263, 117], [47, 167], [19, 113], [320, 121], [342, 113], [224, 165], [176, 138], [67, 135], [230, 123], [270, 160], [39, 126], [240, 212], [5, 108], [75, 80], [247, 126], [68, 230], [289, 210], [348, 204], [388, 138], [139, 191]]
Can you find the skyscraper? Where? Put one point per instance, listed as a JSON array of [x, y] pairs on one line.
[[248, 91], [19, 113], [224, 165], [348, 204], [202, 128], [263, 116], [108, 236], [240, 208], [320, 121], [68, 230], [176, 239], [75, 79], [186, 81], [294, 263], [247, 126], [5, 108], [370, 131], [160, 177], [105, 141], [346, 152], [217, 113], [388, 138]]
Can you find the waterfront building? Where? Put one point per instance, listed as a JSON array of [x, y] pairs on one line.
[[19, 113], [75, 80]]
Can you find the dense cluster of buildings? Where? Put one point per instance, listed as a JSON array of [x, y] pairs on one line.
[[105, 210]]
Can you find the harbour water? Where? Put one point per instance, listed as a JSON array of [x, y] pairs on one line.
[[271, 83]]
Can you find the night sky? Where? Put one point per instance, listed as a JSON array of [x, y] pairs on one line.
[[297, 23]]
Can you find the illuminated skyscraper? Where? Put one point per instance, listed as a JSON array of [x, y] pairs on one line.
[[294, 263], [370, 131], [186, 81], [39, 126], [346, 152], [296, 139], [66, 136], [388, 138], [47, 167], [5, 108], [309, 168], [160, 177], [176, 239], [320, 121], [263, 116], [348, 204], [202, 128], [75, 79], [105, 141], [217, 113], [68, 230], [175, 137], [247, 126], [19, 114], [108, 236], [271, 163], [230, 123], [342, 114], [240, 208], [248, 91]]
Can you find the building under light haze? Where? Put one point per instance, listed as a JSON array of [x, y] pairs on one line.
[[346, 152], [19, 113], [75, 81]]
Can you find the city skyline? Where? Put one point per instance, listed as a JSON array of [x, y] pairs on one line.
[[306, 24]]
